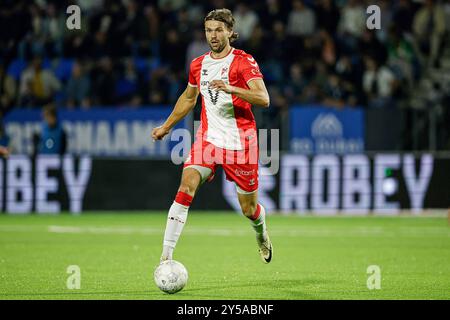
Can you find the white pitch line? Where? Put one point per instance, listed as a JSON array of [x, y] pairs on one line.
[[21, 228], [282, 232]]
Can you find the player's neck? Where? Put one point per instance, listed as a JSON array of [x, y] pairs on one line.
[[223, 53]]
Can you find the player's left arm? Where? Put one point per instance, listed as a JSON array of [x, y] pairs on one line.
[[256, 94]]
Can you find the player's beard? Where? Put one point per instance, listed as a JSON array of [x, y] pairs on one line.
[[220, 49]]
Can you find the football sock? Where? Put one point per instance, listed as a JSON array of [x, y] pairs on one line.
[[175, 222], [258, 221]]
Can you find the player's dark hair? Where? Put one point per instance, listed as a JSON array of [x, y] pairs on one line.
[[226, 17]]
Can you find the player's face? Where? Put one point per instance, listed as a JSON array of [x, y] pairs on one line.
[[217, 35], [51, 120]]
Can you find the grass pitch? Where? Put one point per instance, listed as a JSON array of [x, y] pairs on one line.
[[314, 258]]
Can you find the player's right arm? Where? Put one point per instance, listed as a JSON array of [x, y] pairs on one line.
[[186, 102]]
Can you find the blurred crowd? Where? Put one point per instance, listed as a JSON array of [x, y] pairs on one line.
[[136, 52]]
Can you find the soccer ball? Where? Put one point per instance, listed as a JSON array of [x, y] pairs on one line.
[[170, 276]]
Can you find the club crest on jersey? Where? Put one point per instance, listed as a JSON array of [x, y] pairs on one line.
[[224, 74], [204, 72], [224, 71]]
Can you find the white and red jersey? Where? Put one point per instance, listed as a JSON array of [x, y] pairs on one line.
[[224, 117]]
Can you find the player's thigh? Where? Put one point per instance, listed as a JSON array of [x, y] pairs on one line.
[[190, 181], [248, 202], [245, 176]]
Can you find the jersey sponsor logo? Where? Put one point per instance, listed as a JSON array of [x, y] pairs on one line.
[[240, 172]]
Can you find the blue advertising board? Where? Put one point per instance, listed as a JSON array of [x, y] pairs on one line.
[[319, 129], [97, 131]]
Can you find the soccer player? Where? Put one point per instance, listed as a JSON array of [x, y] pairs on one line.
[[229, 82]]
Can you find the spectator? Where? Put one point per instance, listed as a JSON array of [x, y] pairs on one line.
[[301, 20], [78, 87], [304, 63], [183, 24], [353, 19], [8, 91], [196, 48], [54, 25], [157, 86], [403, 16], [52, 139], [127, 87], [296, 84], [368, 44], [104, 83], [149, 32], [347, 70], [171, 5], [429, 29], [401, 56], [327, 15], [351, 77], [150, 23], [273, 11], [37, 85], [90, 6], [321, 76], [173, 50], [329, 53], [279, 50], [129, 28], [334, 93], [246, 20], [386, 13], [379, 84], [447, 15], [257, 44]]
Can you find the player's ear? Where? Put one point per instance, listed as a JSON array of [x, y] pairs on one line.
[[230, 34]]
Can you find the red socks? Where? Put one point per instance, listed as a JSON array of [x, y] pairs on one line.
[[183, 198], [257, 213]]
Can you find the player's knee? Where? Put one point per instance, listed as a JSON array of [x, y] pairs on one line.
[[189, 185], [187, 188], [248, 209]]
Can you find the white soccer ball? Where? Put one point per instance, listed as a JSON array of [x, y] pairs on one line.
[[170, 276]]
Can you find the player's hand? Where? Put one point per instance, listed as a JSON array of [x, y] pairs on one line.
[[4, 152], [221, 86], [159, 132]]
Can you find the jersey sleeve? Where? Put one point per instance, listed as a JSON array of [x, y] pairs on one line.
[[192, 80], [250, 69]]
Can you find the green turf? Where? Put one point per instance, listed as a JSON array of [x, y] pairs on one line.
[[315, 258]]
